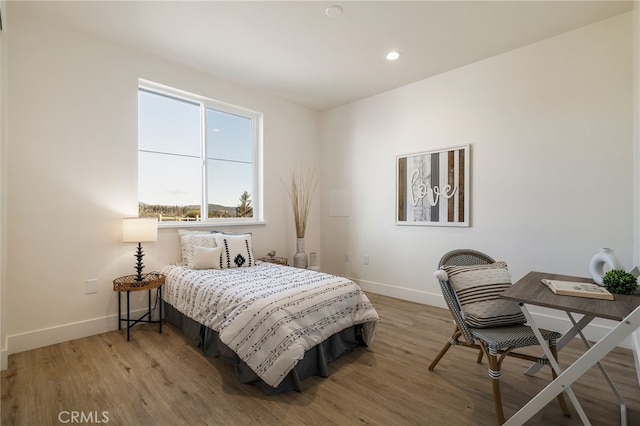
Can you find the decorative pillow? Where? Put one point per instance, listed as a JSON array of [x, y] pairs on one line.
[[206, 257], [190, 239], [478, 288], [237, 250]]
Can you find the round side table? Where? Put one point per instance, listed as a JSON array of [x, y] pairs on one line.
[[129, 283]]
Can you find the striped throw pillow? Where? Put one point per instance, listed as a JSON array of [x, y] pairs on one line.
[[478, 288], [189, 240]]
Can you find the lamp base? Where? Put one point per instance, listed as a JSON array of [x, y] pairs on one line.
[[139, 265]]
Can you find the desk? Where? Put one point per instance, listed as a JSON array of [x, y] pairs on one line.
[[624, 308]]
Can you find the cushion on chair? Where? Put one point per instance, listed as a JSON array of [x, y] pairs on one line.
[[478, 288], [514, 336]]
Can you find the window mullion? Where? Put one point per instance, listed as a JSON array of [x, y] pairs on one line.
[[204, 208], [257, 163]]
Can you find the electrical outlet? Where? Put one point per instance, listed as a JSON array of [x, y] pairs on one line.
[[347, 258], [365, 259], [92, 286]]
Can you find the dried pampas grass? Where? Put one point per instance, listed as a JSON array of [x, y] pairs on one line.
[[302, 186]]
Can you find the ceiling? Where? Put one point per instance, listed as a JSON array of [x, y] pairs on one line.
[[295, 51]]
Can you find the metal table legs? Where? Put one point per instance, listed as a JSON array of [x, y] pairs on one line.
[[148, 314]]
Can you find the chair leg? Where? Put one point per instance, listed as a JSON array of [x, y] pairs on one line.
[[495, 373], [454, 337], [480, 353], [561, 400]]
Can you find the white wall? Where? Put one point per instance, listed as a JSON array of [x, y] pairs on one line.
[[550, 128], [636, 128], [3, 182], [72, 175], [636, 136]]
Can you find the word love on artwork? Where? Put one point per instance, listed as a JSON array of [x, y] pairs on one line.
[[420, 190], [432, 187]]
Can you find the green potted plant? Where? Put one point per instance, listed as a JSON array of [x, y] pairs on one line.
[[620, 282]]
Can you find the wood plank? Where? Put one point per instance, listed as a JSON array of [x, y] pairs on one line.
[[161, 379]]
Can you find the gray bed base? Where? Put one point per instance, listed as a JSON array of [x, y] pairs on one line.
[[314, 363]]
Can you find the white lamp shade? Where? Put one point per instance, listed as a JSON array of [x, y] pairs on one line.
[[139, 229]]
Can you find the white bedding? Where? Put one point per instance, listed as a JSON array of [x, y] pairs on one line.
[[269, 314]]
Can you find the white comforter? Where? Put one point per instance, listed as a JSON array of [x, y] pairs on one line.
[[269, 314]]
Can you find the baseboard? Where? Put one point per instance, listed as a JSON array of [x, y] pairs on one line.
[[635, 340], [403, 293], [593, 332], [561, 323], [4, 359], [58, 334]]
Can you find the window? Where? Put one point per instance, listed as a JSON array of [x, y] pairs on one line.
[[197, 158]]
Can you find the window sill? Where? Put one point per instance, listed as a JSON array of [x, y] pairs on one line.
[[211, 224]]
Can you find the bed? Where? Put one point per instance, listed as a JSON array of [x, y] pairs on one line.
[[276, 325]]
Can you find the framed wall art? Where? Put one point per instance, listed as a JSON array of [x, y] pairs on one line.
[[433, 187]]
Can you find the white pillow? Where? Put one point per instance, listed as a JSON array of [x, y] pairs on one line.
[[237, 250], [190, 239], [206, 257]]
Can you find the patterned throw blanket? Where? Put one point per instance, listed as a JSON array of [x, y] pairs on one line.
[[269, 314]]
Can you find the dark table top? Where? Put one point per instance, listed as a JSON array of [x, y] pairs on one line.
[[530, 290]]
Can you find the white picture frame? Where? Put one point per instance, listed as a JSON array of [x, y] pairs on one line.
[[433, 187]]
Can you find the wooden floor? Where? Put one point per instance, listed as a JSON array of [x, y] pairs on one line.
[[163, 380]]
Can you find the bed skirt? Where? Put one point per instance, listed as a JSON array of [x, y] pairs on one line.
[[314, 363]]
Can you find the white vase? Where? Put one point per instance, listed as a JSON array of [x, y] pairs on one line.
[[314, 261], [601, 263], [300, 258]]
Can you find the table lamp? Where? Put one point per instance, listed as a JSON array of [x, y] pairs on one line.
[[139, 230]]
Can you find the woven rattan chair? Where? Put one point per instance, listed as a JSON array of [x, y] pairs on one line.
[[497, 342]]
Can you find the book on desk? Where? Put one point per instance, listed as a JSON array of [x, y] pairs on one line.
[[568, 288]]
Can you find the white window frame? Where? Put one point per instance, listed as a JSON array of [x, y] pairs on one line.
[[257, 157]]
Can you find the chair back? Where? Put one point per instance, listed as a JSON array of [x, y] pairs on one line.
[[463, 257]]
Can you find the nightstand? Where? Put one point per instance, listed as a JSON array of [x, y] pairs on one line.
[[131, 283], [274, 259]]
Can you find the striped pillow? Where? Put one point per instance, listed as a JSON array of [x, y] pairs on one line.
[[189, 240], [478, 288]]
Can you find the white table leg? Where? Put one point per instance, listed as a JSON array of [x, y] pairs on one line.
[[612, 339], [623, 405], [564, 340], [530, 409]]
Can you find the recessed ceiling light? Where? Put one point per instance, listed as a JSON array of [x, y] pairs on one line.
[[333, 11], [393, 55]]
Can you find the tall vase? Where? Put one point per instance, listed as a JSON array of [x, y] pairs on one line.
[[300, 258], [598, 262]]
